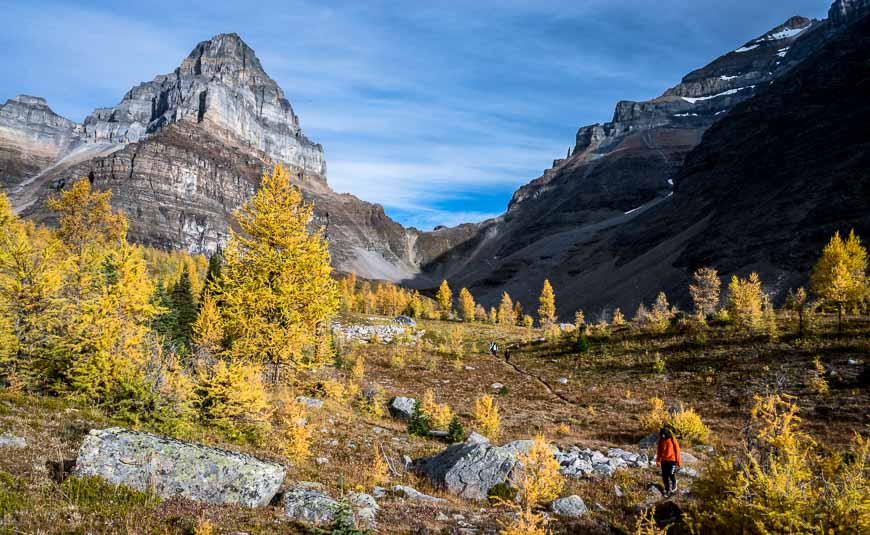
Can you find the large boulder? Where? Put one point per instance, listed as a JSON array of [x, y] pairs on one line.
[[402, 408], [470, 469], [171, 467]]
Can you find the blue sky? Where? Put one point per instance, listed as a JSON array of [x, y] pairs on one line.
[[437, 110]]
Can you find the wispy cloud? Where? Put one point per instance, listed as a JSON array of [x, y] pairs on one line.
[[436, 111]]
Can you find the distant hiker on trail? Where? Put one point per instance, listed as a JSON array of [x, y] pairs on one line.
[[493, 348], [507, 354], [669, 458]]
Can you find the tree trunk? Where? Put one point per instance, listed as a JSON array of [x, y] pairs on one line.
[[840, 319]]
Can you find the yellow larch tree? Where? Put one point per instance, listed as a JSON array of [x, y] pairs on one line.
[[208, 331], [276, 287], [547, 304], [745, 301], [839, 277], [444, 298], [506, 310], [487, 415], [31, 269], [466, 305], [705, 291], [109, 338], [539, 480]]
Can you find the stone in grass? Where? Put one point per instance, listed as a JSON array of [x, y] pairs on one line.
[[689, 471], [569, 507], [402, 408], [415, 495], [308, 503], [12, 441], [649, 441], [169, 467], [688, 458], [310, 402]]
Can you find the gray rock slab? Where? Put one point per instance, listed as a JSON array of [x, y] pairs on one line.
[[172, 467]]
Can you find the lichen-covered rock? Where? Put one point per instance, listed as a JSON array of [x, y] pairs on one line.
[[307, 502], [402, 408], [470, 469], [569, 507], [171, 467], [309, 505]]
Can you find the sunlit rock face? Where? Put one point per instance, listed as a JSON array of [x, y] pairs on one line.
[[182, 152], [32, 136], [222, 85]]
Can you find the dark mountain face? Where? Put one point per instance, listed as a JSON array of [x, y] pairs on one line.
[[764, 190], [614, 173]]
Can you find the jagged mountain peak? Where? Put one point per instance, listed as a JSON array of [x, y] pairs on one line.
[[221, 87], [29, 100], [225, 52]]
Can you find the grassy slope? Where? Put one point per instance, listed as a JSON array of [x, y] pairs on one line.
[[606, 393]]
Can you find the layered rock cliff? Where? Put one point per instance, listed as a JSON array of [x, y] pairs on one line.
[[222, 85], [182, 151], [32, 136]]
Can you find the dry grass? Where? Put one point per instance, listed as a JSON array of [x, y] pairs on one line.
[[606, 391]]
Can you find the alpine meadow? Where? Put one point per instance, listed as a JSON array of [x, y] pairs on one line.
[[666, 332]]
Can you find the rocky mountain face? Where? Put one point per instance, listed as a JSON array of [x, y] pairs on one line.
[[749, 164], [638, 203], [616, 171], [221, 85], [182, 151], [32, 136]]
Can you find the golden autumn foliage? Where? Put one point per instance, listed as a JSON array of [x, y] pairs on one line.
[[379, 470], [527, 522], [444, 298], [486, 414], [231, 397], [839, 277], [547, 304], [31, 277], [383, 298], [86, 217], [505, 310], [438, 414], [208, 330], [684, 420], [466, 305], [781, 481], [275, 284], [705, 291], [295, 432], [539, 481], [745, 302]]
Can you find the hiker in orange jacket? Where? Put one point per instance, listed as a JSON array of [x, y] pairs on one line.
[[669, 458]]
